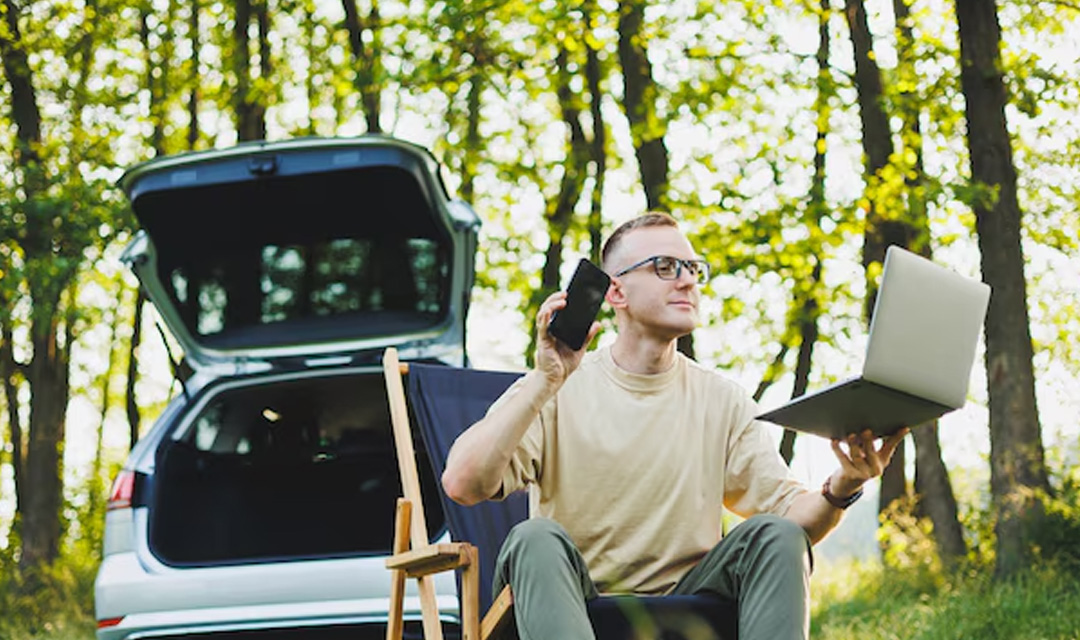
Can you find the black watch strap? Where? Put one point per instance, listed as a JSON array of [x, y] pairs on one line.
[[839, 503]]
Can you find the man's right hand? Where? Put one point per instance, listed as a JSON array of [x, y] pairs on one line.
[[554, 359]]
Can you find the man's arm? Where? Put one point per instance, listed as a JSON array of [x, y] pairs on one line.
[[863, 461], [480, 456]]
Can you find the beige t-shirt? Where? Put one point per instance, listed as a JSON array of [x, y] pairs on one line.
[[638, 468]]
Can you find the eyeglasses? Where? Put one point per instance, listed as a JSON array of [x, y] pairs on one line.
[[669, 268]]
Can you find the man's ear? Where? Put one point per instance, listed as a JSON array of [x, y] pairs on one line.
[[615, 295]]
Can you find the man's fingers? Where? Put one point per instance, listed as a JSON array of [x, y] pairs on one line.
[[844, 458], [857, 446], [888, 447], [553, 303], [593, 330]]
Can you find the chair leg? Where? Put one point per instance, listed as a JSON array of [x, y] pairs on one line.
[[395, 624], [498, 614], [429, 608], [470, 596]]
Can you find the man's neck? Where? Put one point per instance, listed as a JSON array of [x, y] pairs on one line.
[[642, 355]]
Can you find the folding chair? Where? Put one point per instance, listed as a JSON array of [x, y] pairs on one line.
[[445, 401]]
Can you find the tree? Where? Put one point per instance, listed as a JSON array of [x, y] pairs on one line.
[[882, 227], [1017, 467], [368, 59], [933, 489], [52, 214], [805, 306], [598, 149], [249, 99], [647, 127]]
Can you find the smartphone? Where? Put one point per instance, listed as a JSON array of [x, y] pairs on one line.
[[584, 295]]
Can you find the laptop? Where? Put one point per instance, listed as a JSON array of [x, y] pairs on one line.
[[923, 334]]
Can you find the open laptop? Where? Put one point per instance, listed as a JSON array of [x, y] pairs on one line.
[[923, 333]]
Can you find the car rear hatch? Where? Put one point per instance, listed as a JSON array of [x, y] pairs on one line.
[[271, 253], [283, 270]]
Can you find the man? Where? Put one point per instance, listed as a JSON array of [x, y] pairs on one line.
[[632, 452]]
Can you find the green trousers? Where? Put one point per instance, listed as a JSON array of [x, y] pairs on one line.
[[763, 565]]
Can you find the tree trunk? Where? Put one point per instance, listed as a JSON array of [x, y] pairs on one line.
[[805, 299], [249, 125], [933, 489], [51, 255], [131, 403], [646, 128], [473, 143], [193, 134], [39, 483], [47, 377], [773, 371], [877, 148], [9, 369], [807, 317], [262, 20], [24, 108], [1017, 467], [158, 69], [598, 147], [106, 401], [155, 84], [560, 210], [367, 59]]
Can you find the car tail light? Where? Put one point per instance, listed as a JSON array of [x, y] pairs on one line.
[[109, 622], [123, 488]]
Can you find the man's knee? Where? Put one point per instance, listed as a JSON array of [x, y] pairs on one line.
[[780, 536], [539, 551], [536, 535]]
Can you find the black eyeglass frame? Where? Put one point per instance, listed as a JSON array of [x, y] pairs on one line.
[[698, 268]]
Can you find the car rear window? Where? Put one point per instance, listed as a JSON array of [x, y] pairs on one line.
[[301, 259], [276, 283]]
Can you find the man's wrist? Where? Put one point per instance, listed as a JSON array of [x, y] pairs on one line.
[[838, 498], [543, 387]]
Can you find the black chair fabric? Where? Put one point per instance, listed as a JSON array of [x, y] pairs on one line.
[[447, 400]]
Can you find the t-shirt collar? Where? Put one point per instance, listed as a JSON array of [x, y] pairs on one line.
[[640, 382]]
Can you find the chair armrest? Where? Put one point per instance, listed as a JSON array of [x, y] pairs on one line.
[[434, 558]]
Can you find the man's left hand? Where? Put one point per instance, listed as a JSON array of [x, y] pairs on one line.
[[863, 460]]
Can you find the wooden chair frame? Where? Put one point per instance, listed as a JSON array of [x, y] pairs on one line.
[[413, 555]]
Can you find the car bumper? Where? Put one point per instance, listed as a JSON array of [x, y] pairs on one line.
[[133, 602]]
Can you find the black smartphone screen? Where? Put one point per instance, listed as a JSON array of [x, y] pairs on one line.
[[584, 295]]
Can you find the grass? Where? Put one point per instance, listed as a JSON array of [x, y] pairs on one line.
[[867, 601]]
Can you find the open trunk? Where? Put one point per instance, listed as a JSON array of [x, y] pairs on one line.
[[292, 469], [272, 253]]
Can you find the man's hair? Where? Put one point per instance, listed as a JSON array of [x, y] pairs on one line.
[[651, 219]]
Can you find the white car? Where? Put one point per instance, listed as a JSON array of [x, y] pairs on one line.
[[261, 502]]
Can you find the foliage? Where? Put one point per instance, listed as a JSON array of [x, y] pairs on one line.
[[911, 596], [59, 607], [908, 543], [859, 601]]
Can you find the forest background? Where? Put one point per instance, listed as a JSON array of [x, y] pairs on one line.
[[795, 142]]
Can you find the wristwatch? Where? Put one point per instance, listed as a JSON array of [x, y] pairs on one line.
[[839, 503]]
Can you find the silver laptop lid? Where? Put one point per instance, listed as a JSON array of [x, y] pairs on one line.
[[925, 328]]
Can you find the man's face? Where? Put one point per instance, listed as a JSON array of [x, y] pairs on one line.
[[666, 308]]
